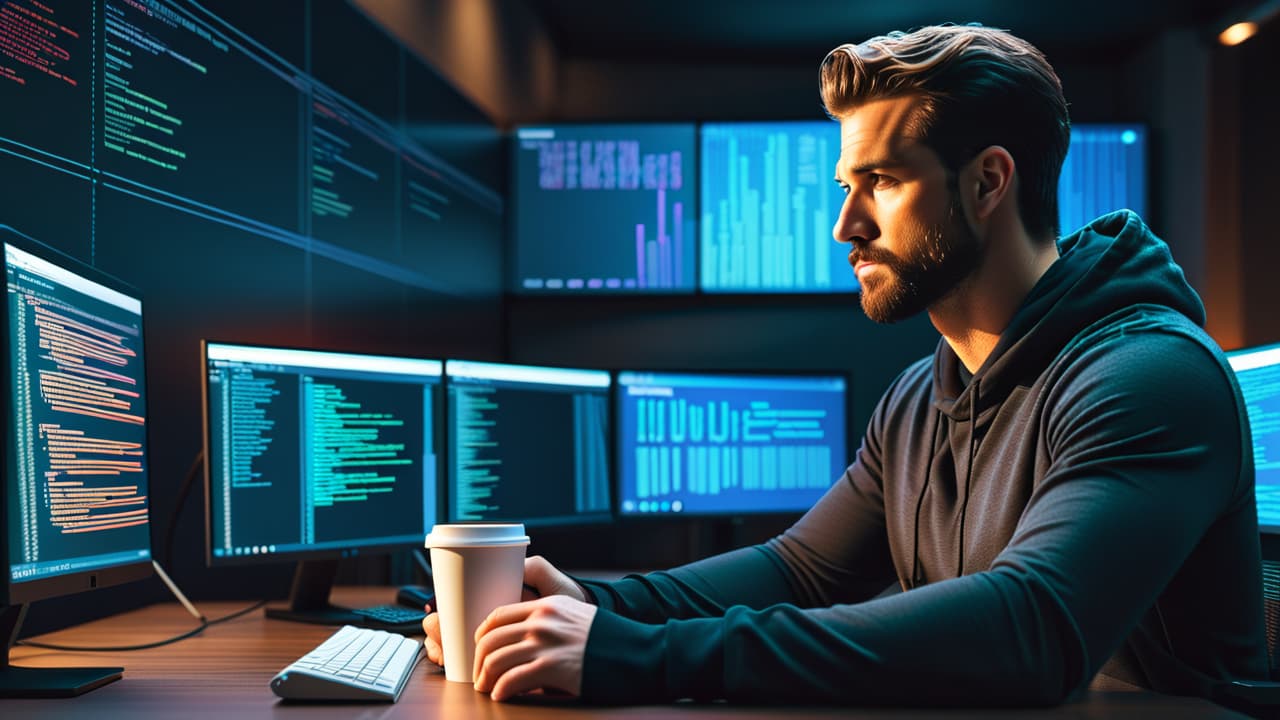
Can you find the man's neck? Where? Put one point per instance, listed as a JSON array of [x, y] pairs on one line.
[[974, 315]]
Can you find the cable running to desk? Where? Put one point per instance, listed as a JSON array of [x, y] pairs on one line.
[[159, 643]]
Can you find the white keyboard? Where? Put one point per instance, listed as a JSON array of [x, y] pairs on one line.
[[353, 664]]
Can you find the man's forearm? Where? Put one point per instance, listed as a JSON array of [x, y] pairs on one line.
[[751, 576]]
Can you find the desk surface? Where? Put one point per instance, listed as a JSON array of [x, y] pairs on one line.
[[223, 673]]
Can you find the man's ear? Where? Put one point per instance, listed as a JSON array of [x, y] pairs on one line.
[[988, 179]]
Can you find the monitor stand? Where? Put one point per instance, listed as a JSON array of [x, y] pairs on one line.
[[309, 597], [29, 682]]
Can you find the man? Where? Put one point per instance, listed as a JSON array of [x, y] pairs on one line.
[[1065, 487]]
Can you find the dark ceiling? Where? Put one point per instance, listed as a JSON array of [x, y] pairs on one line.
[[800, 31]]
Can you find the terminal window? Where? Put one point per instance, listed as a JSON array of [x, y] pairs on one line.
[[78, 431], [1258, 372], [528, 444], [318, 451]]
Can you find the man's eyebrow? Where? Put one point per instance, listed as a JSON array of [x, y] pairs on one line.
[[885, 163], [889, 161]]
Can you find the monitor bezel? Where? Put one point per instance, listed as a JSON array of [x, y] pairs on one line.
[[12, 593], [850, 445], [1272, 530], [355, 550], [579, 521]]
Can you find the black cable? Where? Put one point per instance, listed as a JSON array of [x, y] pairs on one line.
[[236, 614], [424, 563], [117, 648], [146, 646], [172, 528]]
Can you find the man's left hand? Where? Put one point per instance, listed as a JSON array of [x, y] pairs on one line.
[[533, 645]]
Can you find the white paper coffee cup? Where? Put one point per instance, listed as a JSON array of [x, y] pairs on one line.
[[475, 568]]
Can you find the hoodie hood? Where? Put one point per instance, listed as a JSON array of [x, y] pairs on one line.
[[1110, 265]]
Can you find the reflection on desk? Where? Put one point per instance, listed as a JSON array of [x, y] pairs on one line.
[[224, 673]]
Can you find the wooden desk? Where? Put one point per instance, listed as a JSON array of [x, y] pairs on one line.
[[224, 672]]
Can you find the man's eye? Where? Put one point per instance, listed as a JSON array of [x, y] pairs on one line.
[[844, 187], [879, 181]]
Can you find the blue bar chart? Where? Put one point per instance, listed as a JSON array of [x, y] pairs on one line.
[[768, 206], [728, 444], [1105, 170]]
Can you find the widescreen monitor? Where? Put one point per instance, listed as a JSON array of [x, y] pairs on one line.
[[76, 497], [1105, 170], [1258, 372], [728, 443], [312, 456], [767, 208], [603, 209], [528, 444]]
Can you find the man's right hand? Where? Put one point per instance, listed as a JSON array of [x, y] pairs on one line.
[[541, 579]]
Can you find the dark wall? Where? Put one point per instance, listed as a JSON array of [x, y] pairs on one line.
[[231, 245], [1259, 183]]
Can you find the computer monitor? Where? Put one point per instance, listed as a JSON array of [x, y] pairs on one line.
[[1257, 370], [728, 443], [313, 456], [605, 208], [768, 206], [528, 444], [76, 502], [1105, 170]]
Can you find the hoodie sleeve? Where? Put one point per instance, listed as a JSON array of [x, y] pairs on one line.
[[836, 553], [1145, 449]]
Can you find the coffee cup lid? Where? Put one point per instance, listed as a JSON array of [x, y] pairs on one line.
[[477, 535]]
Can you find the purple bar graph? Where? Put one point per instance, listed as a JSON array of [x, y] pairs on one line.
[[677, 213], [581, 193], [664, 245], [640, 255], [658, 261]]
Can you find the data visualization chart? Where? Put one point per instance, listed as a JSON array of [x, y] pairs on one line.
[[720, 444], [604, 209], [768, 206], [1105, 170]]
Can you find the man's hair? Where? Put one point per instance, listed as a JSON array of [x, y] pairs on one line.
[[979, 87]]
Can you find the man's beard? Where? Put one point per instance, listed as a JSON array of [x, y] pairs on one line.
[[934, 262]]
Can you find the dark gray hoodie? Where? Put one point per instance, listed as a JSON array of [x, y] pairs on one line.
[[1084, 499]]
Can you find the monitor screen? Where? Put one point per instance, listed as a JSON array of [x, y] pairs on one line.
[[768, 205], [1105, 170], [603, 209], [528, 444], [1258, 372], [140, 135], [314, 453], [75, 475], [728, 444]]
